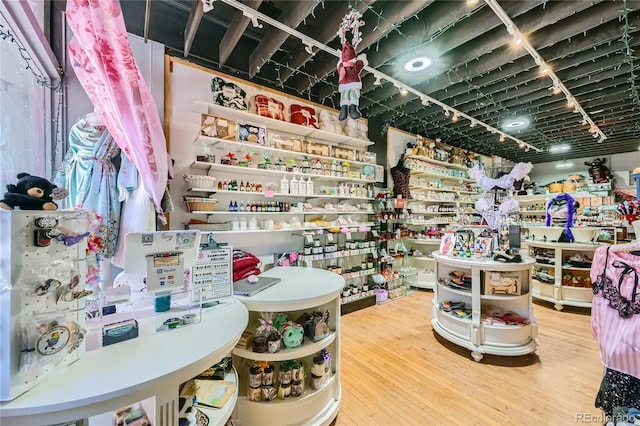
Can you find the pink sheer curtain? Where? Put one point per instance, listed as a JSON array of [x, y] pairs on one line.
[[105, 66]]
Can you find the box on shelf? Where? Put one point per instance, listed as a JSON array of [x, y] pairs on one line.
[[217, 127], [317, 148], [285, 141], [599, 186], [366, 157], [344, 153], [252, 133], [502, 282]]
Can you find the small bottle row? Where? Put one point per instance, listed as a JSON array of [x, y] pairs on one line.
[[232, 185], [259, 206]]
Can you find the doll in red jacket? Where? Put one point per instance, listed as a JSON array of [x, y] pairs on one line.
[[349, 84], [350, 65]]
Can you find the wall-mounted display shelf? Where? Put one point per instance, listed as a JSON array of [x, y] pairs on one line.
[[283, 126]]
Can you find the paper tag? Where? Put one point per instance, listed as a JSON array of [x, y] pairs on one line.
[[309, 238], [268, 193], [222, 122], [309, 264], [348, 235], [330, 238], [374, 232], [374, 253]]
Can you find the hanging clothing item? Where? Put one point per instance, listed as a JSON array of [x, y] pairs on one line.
[[90, 177], [137, 209], [617, 390], [615, 310], [104, 64], [401, 176]]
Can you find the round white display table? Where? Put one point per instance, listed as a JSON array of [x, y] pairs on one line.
[[471, 332], [114, 376], [301, 290]]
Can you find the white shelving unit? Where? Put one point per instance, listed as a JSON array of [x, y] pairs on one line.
[[301, 290], [152, 366], [471, 333], [557, 291], [426, 277], [283, 126]]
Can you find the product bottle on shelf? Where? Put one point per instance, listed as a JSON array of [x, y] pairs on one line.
[[294, 186], [284, 185], [309, 186], [302, 187]]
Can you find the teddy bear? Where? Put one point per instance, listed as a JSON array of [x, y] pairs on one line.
[[32, 193]]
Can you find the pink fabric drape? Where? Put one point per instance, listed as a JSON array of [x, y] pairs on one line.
[[105, 66]]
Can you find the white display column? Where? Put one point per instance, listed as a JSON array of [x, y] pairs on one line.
[[301, 290], [471, 332]]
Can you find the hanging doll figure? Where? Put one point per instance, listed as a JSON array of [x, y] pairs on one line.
[[350, 66]]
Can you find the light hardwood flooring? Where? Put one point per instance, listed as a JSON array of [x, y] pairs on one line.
[[396, 370]]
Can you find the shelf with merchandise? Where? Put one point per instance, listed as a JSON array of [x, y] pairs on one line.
[[277, 125], [226, 168], [437, 162], [560, 282], [280, 194], [495, 289], [300, 291], [249, 146]]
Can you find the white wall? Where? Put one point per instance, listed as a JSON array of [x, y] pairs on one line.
[[621, 165]]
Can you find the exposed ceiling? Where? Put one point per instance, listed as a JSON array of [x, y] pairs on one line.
[[478, 69]]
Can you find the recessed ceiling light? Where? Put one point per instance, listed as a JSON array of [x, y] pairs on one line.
[[516, 123], [417, 64], [559, 148]]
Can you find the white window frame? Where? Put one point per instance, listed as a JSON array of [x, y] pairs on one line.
[[25, 27]]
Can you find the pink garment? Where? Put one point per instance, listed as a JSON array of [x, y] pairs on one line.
[[618, 338], [104, 64]]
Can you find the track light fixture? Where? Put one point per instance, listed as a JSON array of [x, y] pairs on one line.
[[446, 112], [558, 86], [474, 123], [378, 81], [501, 138], [455, 117], [425, 101]]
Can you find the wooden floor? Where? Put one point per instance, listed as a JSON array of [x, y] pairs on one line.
[[396, 370]]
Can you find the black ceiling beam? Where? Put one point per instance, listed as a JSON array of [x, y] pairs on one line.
[[234, 32], [395, 13], [291, 16]]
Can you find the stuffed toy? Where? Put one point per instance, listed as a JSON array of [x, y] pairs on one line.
[[32, 193], [598, 172], [350, 66]]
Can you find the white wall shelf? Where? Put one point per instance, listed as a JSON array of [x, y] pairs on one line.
[[285, 152], [279, 194], [283, 126], [254, 171], [438, 162]]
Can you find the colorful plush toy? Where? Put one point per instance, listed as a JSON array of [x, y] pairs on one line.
[[32, 193], [350, 66]]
